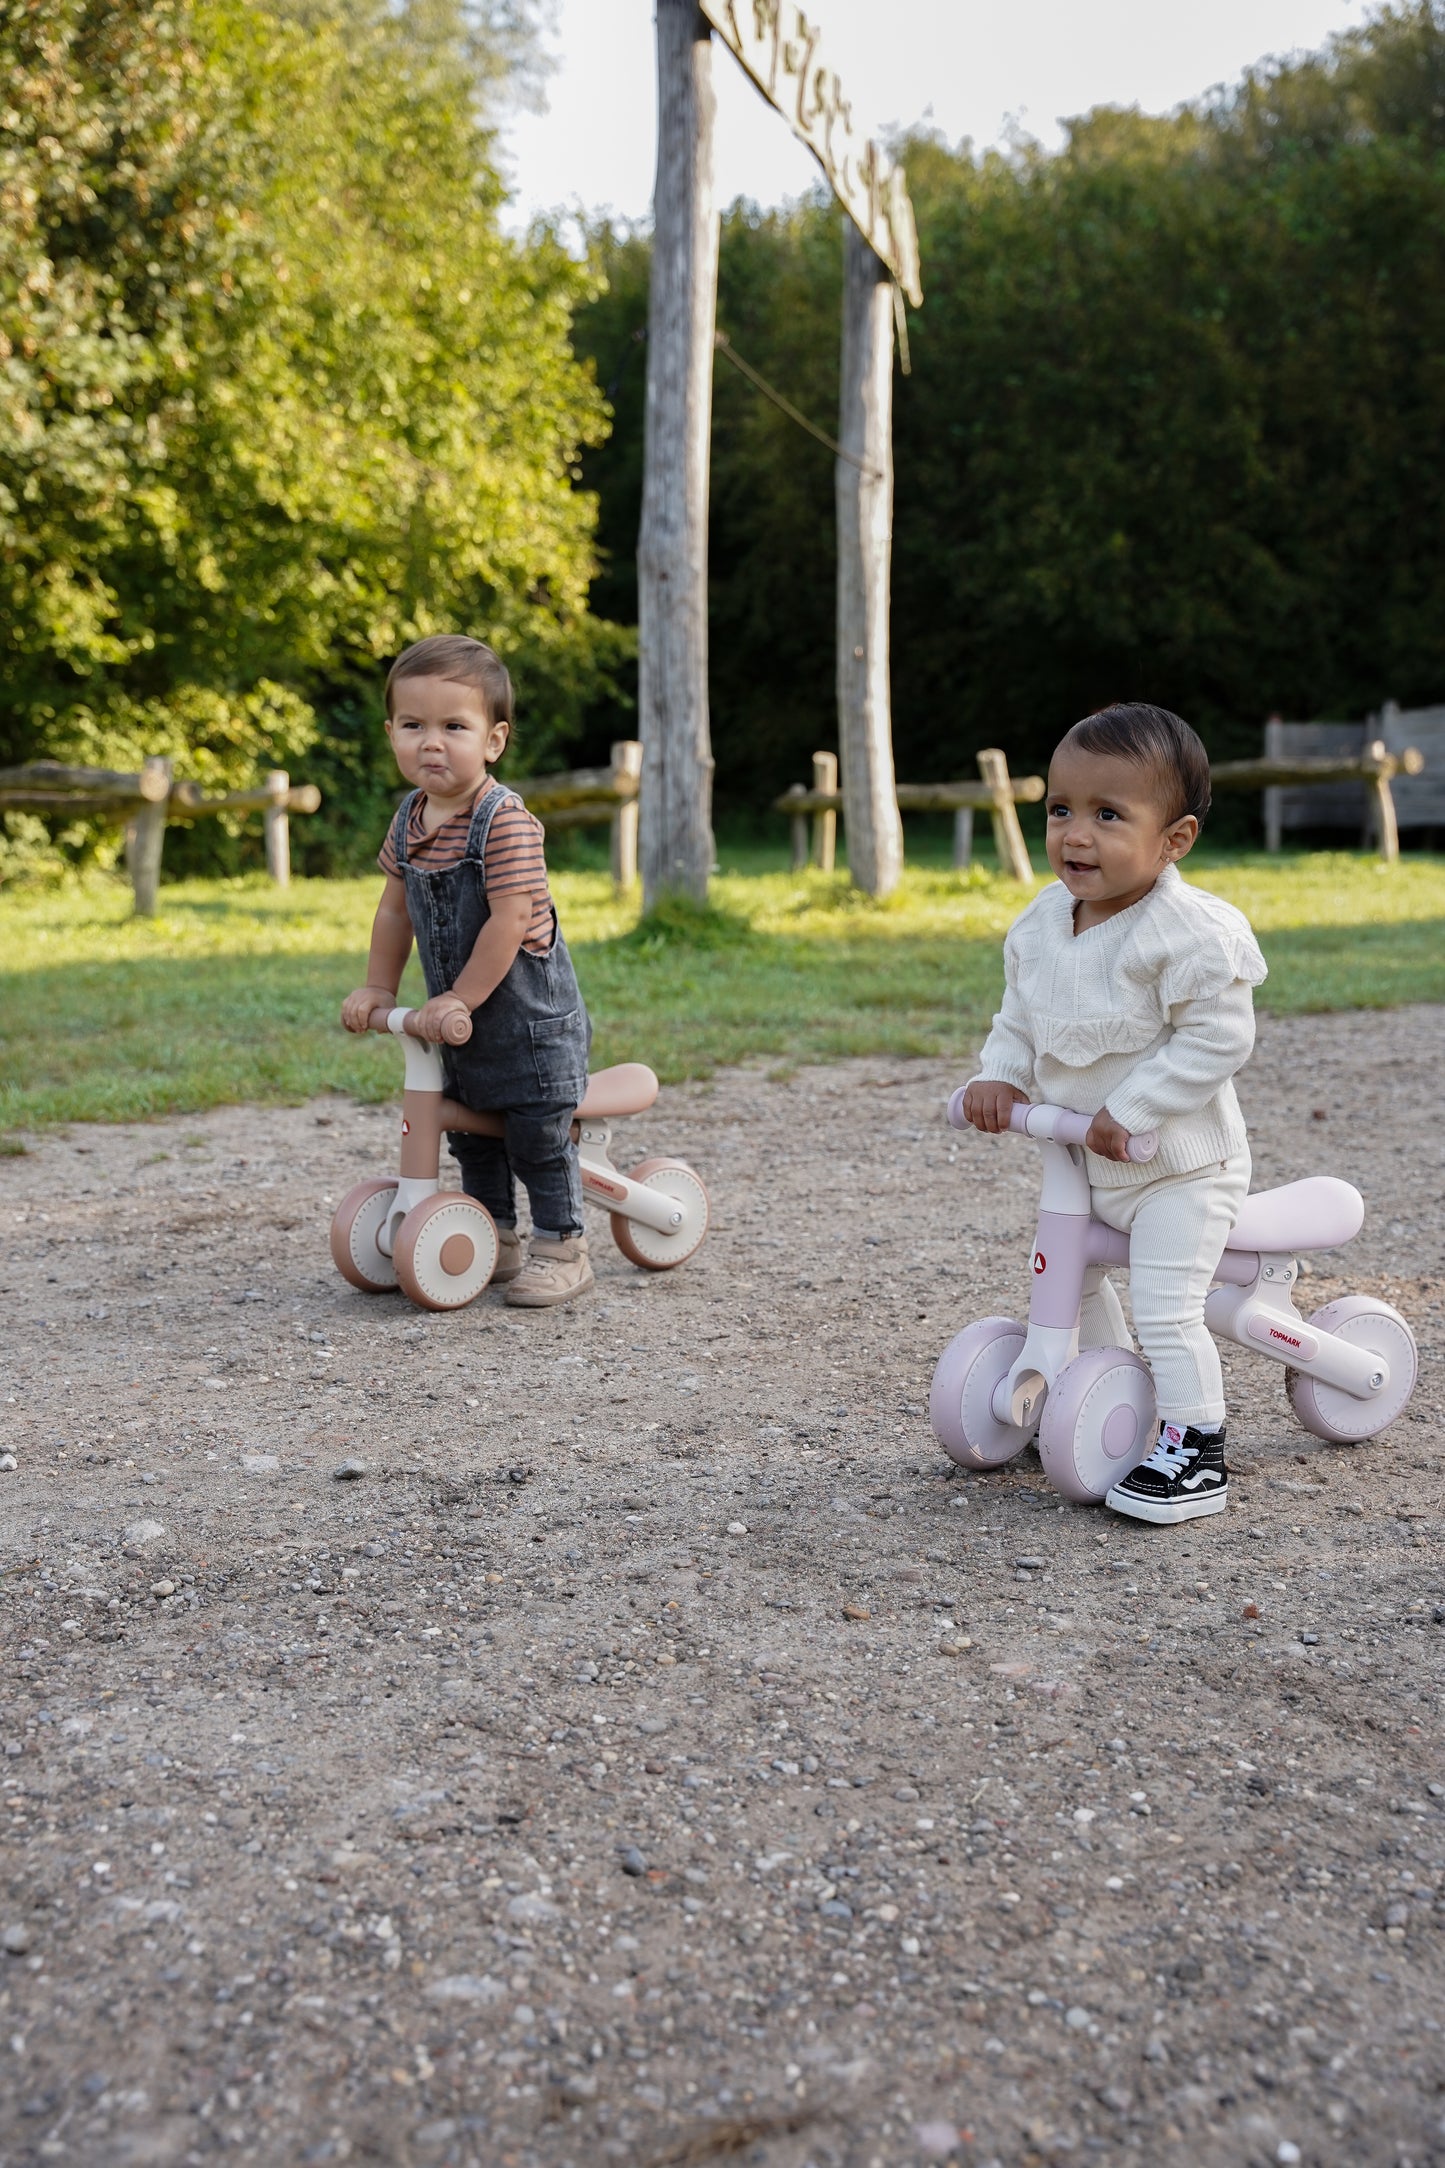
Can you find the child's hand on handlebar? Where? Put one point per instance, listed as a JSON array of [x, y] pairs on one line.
[[358, 1008], [1110, 1139], [987, 1102], [430, 1019]]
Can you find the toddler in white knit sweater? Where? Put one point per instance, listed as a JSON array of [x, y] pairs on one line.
[[1128, 996]]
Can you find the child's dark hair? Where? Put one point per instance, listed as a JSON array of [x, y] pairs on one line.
[[1152, 738], [466, 662]]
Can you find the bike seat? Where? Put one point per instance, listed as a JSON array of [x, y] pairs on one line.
[[630, 1088], [1316, 1214]]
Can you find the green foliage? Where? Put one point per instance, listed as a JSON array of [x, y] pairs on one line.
[[232, 992], [1175, 427], [276, 393]]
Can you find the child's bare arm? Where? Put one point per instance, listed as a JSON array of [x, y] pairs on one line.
[[391, 938], [491, 959]]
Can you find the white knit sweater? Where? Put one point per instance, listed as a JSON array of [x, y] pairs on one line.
[[1149, 1014]]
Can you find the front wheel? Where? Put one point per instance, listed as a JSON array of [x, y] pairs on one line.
[[651, 1247], [1098, 1422], [960, 1400], [445, 1251], [355, 1225], [1328, 1411]]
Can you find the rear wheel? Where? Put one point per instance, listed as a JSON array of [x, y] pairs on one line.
[[960, 1401], [445, 1251], [1328, 1411], [656, 1249], [355, 1225]]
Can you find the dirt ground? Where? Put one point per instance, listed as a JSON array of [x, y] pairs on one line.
[[658, 1755]]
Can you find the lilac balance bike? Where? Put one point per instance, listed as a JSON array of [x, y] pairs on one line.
[[1349, 1369]]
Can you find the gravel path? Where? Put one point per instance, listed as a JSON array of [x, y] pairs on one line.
[[591, 1780]]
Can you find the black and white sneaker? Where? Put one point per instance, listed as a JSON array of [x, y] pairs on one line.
[[1183, 1477]]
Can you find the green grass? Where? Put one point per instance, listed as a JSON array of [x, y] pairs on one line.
[[231, 993]]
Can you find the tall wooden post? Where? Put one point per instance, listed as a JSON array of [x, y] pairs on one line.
[[864, 495], [677, 765]]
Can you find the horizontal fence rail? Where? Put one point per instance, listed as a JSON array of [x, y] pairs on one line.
[[590, 797], [147, 801], [997, 793]]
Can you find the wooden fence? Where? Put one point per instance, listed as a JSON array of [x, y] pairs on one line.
[[586, 797], [148, 802], [1411, 797], [997, 793]]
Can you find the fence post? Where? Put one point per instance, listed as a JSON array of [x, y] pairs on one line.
[[1013, 855], [798, 829], [1273, 797], [145, 836], [962, 838], [626, 767], [825, 825], [278, 828], [1383, 810]]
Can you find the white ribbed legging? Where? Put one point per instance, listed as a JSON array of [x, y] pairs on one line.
[[1177, 1227]]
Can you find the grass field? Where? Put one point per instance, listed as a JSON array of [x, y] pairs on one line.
[[231, 993]]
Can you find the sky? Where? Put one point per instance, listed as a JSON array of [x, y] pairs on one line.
[[976, 68]]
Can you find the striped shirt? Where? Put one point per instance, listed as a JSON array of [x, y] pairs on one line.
[[513, 863]]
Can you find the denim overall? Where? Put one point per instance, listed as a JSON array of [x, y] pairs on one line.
[[527, 1056]]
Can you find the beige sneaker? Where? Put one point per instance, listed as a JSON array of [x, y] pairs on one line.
[[554, 1272], [510, 1257]]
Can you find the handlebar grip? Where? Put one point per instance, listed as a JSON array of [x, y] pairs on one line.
[[956, 1116], [457, 1029], [1142, 1145]]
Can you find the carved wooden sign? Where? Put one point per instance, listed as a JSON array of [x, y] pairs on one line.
[[781, 49]]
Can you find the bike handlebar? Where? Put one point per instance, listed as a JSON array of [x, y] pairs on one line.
[[1057, 1124], [456, 1029]]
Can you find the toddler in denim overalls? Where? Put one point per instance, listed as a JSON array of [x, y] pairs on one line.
[[466, 878]]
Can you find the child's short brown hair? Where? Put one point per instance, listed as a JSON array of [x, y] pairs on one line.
[[1152, 738], [466, 662]]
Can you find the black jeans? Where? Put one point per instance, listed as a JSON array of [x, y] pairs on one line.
[[537, 1150]]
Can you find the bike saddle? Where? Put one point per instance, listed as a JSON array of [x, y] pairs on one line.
[[1316, 1214], [630, 1088]]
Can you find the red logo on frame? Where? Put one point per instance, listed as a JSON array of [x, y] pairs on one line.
[[1041, 1263], [406, 1128]]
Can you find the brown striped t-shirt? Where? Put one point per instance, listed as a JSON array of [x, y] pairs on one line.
[[513, 863]]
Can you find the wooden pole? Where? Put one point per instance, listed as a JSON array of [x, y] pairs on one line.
[[626, 771], [278, 828], [145, 836], [677, 765], [1013, 855], [1385, 825], [825, 825], [1273, 803], [963, 839], [863, 489], [797, 826]]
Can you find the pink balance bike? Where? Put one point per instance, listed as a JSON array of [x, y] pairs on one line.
[[439, 1246], [1349, 1369]]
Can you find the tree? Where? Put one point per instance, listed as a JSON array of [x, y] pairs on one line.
[[279, 395]]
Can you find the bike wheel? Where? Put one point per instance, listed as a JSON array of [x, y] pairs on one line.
[[445, 1251], [1098, 1422], [650, 1247], [355, 1225], [1328, 1411], [960, 1400]]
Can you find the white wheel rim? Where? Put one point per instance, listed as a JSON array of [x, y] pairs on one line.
[[366, 1225], [685, 1189], [461, 1222]]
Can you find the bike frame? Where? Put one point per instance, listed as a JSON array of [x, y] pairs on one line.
[[1251, 1301], [427, 1114]]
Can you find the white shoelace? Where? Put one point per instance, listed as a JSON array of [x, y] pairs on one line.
[[1170, 1460]]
